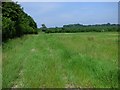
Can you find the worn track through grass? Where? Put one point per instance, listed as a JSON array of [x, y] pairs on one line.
[[61, 60]]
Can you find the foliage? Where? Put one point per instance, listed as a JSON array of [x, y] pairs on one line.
[[74, 28], [44, 28], [15, 21], [8, 29]]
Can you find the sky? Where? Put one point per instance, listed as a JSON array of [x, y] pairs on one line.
[[66, 0], [57, 14]]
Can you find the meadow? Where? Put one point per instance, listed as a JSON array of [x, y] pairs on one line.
[[61, 60]]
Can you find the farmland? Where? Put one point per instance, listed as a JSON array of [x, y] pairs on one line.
[[61, 60]]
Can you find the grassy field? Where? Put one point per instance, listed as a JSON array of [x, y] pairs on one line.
[[0, 66], [82, 60]]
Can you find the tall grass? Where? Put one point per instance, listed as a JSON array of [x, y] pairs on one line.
[[0, 66], [61, 60]]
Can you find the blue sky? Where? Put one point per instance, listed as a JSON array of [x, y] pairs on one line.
[[59, 13]]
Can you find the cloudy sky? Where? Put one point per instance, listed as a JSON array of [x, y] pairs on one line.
[[59, 13]]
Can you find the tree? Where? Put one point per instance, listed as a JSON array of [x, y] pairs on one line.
[[74, 28], [15, 21], [44, 28], [8, 29]]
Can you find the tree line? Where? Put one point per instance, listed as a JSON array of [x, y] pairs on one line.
[[15, 22], [74, 28]]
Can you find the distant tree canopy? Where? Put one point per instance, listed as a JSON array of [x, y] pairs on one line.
[[44, 28], [15, 22], [74, 28]]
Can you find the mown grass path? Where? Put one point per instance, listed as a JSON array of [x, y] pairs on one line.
[[61, 60]]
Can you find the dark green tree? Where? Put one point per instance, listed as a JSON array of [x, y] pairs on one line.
[[15, 21], [44, 28]]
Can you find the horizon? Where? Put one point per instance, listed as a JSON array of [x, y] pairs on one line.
[[83, 24], [57, 14]]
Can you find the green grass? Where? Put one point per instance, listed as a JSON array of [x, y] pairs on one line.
[[0, 66], [84, 60]]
